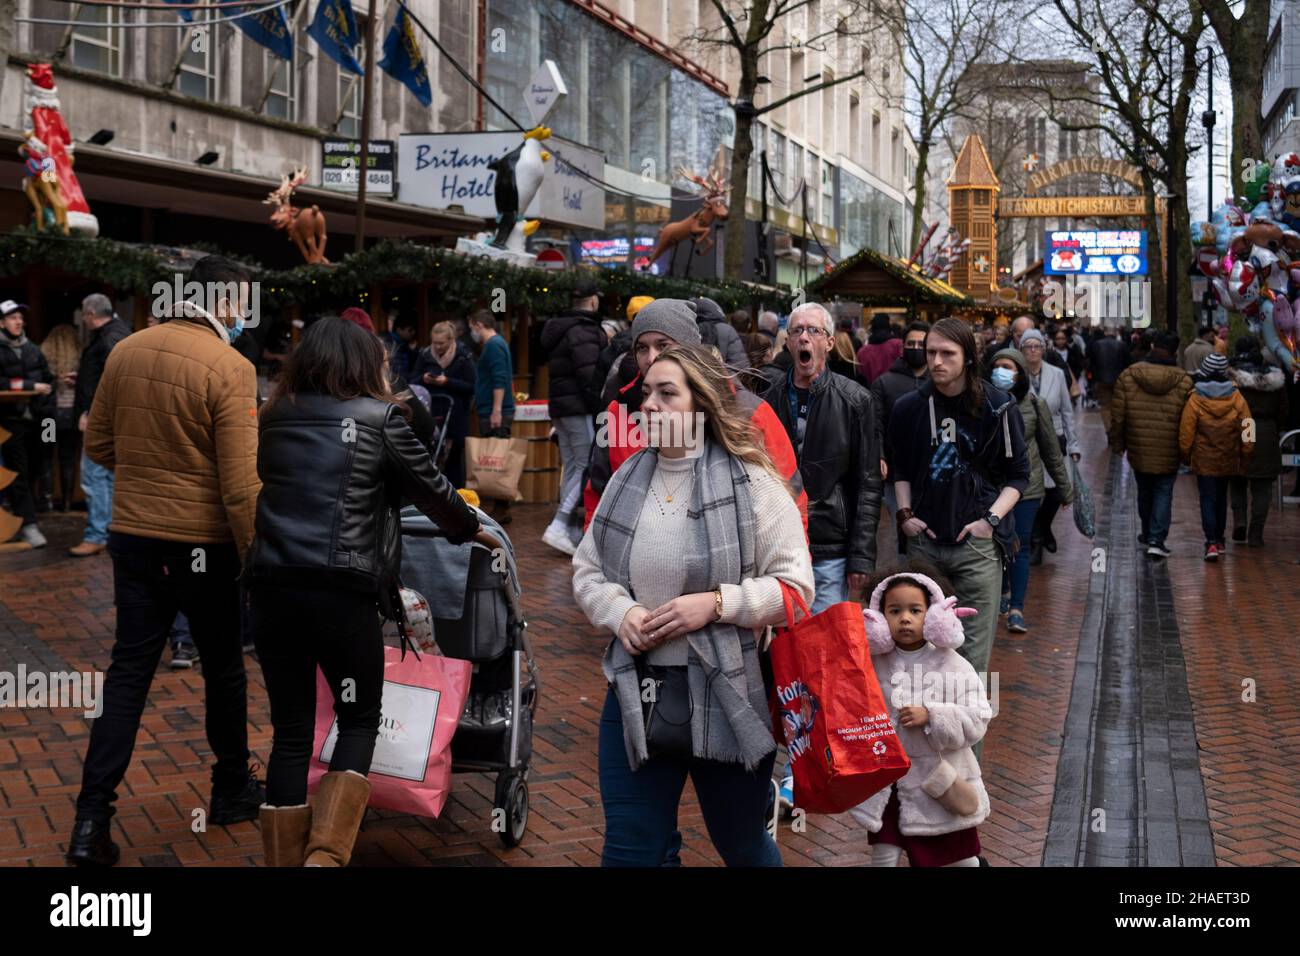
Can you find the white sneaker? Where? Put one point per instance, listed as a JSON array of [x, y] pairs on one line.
[[32, 535], [558, 539]]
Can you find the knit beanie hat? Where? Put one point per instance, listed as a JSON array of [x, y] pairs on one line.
[[358, 317], [672, 317], [1214, 365], [636, 304], [1032, 335]]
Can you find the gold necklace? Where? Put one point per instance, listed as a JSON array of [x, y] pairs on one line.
[[668, 495]]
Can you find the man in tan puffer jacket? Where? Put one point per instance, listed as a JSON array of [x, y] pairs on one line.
[[1144, 418], [175, 417]]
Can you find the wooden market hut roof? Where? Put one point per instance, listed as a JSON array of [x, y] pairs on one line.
[[879, 280]]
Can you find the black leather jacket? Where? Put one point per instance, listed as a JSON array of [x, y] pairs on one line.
[[334, 477], [840, 467]]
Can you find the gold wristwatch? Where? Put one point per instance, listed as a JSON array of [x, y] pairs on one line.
[[717, 602]]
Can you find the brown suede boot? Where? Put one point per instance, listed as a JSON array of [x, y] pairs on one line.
[[336, 818], [284, 834]]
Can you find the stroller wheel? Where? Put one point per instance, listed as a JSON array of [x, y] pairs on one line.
[[512, 799]]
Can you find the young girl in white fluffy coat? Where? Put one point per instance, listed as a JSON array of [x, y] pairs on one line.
[[940, 710]]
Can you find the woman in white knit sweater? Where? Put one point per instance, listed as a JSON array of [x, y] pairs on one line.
[[683, 564]]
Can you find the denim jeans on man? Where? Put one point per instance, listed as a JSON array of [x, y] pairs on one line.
[[97, 485], [1155, 505], [575, 434], [831, 583], [1214, 506], [641, 806], [1018, 574], [152, 581]]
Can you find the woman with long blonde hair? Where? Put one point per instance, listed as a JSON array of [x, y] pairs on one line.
[[843, 359], [683, 562], [62, 350]]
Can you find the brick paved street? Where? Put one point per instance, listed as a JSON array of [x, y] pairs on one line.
[[1209, 627]]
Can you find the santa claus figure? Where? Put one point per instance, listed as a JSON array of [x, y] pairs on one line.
[[41, 106]]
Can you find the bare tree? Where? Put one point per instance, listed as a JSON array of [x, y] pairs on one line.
[[939, 43], [1145, 52], [1242, 39], [750, 29]]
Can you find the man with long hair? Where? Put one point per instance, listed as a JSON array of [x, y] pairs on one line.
[[960, 463]]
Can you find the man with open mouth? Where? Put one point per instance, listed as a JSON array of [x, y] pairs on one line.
[[831, 421]]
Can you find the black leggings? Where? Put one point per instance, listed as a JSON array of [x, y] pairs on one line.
[[296, 629]]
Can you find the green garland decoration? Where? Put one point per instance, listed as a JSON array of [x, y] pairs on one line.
[[462, 282]]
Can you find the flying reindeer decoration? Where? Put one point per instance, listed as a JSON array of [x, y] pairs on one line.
[[306, 226], [698, 226]]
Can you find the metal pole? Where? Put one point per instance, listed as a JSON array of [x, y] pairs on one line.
[[1207, 120], [365, 128]]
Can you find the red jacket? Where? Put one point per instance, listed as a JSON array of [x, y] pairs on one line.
[[617, 441]]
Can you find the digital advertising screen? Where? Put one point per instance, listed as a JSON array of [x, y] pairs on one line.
[[1096, 252]]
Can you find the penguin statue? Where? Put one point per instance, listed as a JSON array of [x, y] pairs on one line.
[[518, 177]]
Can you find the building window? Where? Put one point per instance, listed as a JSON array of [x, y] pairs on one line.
[[346, 120], [828, 194], [198, 68], [280, 100], [776, 160], [97, 40], [855, 127], [756, 135]]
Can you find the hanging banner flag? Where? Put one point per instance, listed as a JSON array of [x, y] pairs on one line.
[[402, 59], [334, 29], [270, 28], [185, 15]]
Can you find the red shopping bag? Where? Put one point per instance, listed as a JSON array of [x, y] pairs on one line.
[[843, 746], [423, 700]]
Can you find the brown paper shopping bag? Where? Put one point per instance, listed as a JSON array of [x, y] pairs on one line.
[[494, 466]]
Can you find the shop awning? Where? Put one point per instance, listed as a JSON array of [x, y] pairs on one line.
[[875, 279]]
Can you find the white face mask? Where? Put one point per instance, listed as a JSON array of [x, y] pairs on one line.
[[476, 335]]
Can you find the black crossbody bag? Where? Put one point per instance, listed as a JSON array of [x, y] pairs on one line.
[[667, 708]]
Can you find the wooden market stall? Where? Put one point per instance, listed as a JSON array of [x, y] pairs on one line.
[[887, 283]]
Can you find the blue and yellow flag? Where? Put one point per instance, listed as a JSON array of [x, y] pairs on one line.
[[402, 59], [334, 29], [270, 28]]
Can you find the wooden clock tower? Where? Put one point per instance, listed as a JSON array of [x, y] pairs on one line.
[[973, 191]]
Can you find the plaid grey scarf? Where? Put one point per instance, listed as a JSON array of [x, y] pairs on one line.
[[730, 720]]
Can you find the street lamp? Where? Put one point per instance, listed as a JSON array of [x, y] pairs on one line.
[[1207, 120]]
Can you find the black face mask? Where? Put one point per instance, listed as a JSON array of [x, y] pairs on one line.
[[915, 358]]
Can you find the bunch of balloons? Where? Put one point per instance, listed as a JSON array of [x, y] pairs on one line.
[[1252, 260]]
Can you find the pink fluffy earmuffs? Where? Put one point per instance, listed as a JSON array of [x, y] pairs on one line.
[[942, 626]]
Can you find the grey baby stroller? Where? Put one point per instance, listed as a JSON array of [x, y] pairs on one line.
[[474, 598]]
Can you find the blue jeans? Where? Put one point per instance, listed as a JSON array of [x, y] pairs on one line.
[[1214, 506], [1018, 573], [181, 631], [641, 806], [97, 484], [1155, 505], [575, 434], [830, 578]]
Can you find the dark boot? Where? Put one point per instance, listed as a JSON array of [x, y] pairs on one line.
[[1238, 533], [239, 806], [1256, 538], [1035, 555], [91, 845]]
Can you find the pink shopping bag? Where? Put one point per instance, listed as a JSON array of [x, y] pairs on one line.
[[423, 700]]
